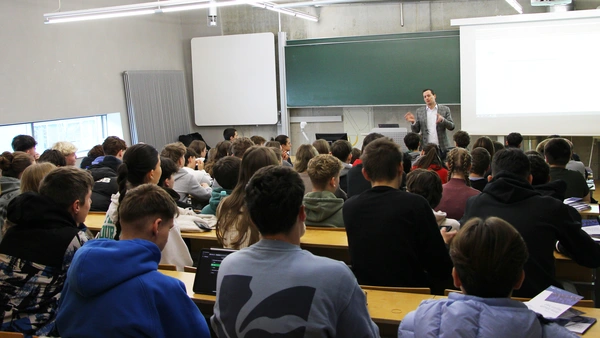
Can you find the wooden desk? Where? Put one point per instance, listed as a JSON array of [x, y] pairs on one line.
[[387, 308]]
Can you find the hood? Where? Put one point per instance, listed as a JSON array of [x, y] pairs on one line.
[[107, 168], [468, 316], [322, 205], [509, 188], [9, 184], [102, 264], [217, 195], [413, 155], [31, 210]]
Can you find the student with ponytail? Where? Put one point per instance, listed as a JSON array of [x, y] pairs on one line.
[[141, 164], [430, 160], [458, 189]]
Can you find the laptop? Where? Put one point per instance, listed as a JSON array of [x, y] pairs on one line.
[[210, 260]]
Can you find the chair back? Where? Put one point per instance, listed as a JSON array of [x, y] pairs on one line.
[[189, 269], [169, 267]]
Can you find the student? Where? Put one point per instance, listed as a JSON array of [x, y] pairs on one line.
[[68, 150], [53, 156], [322, 207], [428, 184], [292, 292], [215, 154], [480, 165], [412, 141], [168, 169], [191, 162], [227, 171], [199, 147], [141, 164], [541, 220], [37, 249], [514, 140], [12, 166], [488, 257], [393, 238], [26, 144], [342, 150], [558, 153], [487, 143], [286, 147], [461, 139], [356, 181], [431, 160], [303, 155], [540, 177], [93, 154], [258, 140], [239, 146], [33, 175], [132, 297], [104, 171], [322, 146], [229, 134], [355, 155], [458, 189], [498, 146], [234, 227], [185, 184]]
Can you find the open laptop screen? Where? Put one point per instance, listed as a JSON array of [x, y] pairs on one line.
[[208, 267]]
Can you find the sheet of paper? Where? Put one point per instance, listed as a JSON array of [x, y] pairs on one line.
[[592, 230], [552, 302]]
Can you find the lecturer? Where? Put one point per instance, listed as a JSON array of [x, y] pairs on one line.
[[432, 121]]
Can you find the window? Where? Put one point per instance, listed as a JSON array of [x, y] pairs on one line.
[[84, 132]]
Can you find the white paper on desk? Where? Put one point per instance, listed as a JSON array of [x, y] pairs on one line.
[[547, 309], [592, 230]]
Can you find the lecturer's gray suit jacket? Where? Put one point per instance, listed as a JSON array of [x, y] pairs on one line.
[[421, 126]]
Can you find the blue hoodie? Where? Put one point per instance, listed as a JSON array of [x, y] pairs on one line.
[[113, 289]]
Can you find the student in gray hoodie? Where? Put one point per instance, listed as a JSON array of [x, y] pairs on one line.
[[322, 207]]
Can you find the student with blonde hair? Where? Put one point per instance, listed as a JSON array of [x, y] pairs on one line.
[[322, 207], [32, 176], [458, 189], [68, 150]]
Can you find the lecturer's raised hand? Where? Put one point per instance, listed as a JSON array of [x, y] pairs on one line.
[[409, 117], [440, 118]]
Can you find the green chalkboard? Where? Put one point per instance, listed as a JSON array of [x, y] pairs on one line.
[[373, 70]]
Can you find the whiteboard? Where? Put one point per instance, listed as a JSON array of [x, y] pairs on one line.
[[234, 80]]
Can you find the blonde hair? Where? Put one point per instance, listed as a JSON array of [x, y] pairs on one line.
[[65, 148], [322, 168], [33, 175]]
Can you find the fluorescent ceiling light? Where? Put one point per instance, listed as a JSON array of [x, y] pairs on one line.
[[515, 5], [137, 9], [316, 3], [272, 7]]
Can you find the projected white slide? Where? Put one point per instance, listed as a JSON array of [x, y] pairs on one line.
[[536, 74]]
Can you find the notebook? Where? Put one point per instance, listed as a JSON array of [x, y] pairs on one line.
[[209, 262]]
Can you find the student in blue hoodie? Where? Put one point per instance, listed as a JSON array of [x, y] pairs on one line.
[[225, 172], [488, 257], [113, 288]]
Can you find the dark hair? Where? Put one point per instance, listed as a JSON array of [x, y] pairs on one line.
[[381, 160], [13, 164], [462, 139], [370, 138], [497, 146], [254, 158], [174, 151], [138, 161], [189, 152], [512, 160], [488, 256], [304, 153], [228, 133], [239, 146], [557, 151], [23, 143], [273, 198], [168, 168], [487, 143], [215, 154], [95, 151], [226, 171], [322, 146], [276, 147], [322, 168], [112, 145], [53, 156], [426, 183], [355, 155], [143, 204], [198, 146], [341, 149], [258, 140], [480, 161], [431, 90], [282, 139], [66, 185], [514, 140], [431, 157], [459, 161], [540, 170], [412, 140]]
